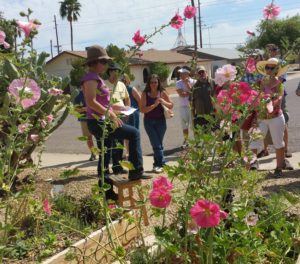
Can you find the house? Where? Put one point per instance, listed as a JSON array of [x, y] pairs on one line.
[[61, 64], [211, 59], [217, 56]]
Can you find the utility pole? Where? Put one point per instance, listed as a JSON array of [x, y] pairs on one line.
[[51, 48], [200, 26], [57, 44], [195, 30]]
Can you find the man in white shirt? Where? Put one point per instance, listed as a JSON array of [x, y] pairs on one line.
[[184, 88]]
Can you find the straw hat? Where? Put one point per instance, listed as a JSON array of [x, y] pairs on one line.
[[280, 70]]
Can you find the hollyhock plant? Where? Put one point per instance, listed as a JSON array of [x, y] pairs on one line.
[[225, 73], [160, 198], [189, 12], [271, 11], [47, 207], [176, 21], [2, 40], [251, 65], [138, 39], [22, 128], [27, 27], [50, 118], [26, 92], [34, 137], [54, 91], [207, 214], [251, 219], [162, 183], [250, 33], [43, 123]]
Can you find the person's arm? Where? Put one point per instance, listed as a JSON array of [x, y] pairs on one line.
[[180, 91], [137, 96], [90, 92], [165, 100], [298, 90], [127, 98], [144, 108]]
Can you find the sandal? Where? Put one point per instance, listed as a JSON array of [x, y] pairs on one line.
[[278, 173]]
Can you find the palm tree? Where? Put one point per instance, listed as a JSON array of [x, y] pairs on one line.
[[70, 9]]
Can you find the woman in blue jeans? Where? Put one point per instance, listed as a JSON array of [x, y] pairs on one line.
[[97, 97], [153, 97]]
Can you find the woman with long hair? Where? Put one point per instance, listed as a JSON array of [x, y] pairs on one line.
[[154, 97]]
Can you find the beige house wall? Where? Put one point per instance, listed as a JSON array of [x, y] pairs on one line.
[[61, 66]]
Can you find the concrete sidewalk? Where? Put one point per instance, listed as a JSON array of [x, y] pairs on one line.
[[80, 161]]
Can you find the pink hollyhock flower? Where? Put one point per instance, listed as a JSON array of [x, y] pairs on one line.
[[160, 198], [43, 123], [189, 12], [50, 118], [176, 21], [251, 65], [26, 92], [138, 39], [22, 128], [162, 183], [2, 40], [47, 207], [251, 219], [271, 11], [112, 206], [27, 27], [54, 91], [251, 33], [224, 74], [207, 214], [34, 137]]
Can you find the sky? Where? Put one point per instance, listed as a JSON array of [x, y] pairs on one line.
[[114, 21]]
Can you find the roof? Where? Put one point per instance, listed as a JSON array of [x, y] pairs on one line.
[[79, 54], [213, 53], [166, 56], [149, 56]]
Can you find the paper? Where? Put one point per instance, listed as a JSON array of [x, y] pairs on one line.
[[128, 110]]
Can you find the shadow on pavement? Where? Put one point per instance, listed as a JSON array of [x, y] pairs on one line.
[[74, 179], [81, 164]]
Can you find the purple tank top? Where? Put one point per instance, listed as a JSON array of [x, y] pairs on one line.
[[157, 112], [102, 94]]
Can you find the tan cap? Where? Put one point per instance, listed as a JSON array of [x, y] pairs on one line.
[[201, 68]]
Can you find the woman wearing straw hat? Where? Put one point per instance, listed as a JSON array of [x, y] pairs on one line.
[[271, 117]]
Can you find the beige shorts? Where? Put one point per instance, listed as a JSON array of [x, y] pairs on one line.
[[84, 129]]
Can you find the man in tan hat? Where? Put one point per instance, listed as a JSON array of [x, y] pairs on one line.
[[201, 101]]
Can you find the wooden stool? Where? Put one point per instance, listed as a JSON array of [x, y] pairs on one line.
[[123, 183]]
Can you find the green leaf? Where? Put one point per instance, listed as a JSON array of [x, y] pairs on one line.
[[95, 151], [126, 165], [68, 173], [82, 138], [293, 199]]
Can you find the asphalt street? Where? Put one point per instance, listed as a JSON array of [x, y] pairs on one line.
[[64, 139]]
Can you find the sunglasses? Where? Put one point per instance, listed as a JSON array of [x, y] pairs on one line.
[[103, 61], [269, 68], [154, 82], [201, 72]]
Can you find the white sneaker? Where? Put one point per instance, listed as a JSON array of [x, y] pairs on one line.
[[158, 169]]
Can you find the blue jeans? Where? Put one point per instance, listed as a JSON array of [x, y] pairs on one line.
[[124, 132], [156, 129]]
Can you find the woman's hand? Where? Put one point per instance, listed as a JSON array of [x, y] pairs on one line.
[[117, 122]]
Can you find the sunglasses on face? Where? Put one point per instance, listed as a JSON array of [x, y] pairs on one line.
[[201, 72], [269, 68], [154, 82], [103, 61]]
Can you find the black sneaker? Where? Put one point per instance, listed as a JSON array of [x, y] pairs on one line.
[[92, 157], [111, 195], [254, 165], [287, 165], [278, 173], [288, 154], [134, 177]]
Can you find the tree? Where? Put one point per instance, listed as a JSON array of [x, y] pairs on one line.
[[78, 70], [161, 69], [285, 33], [70, 9]]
